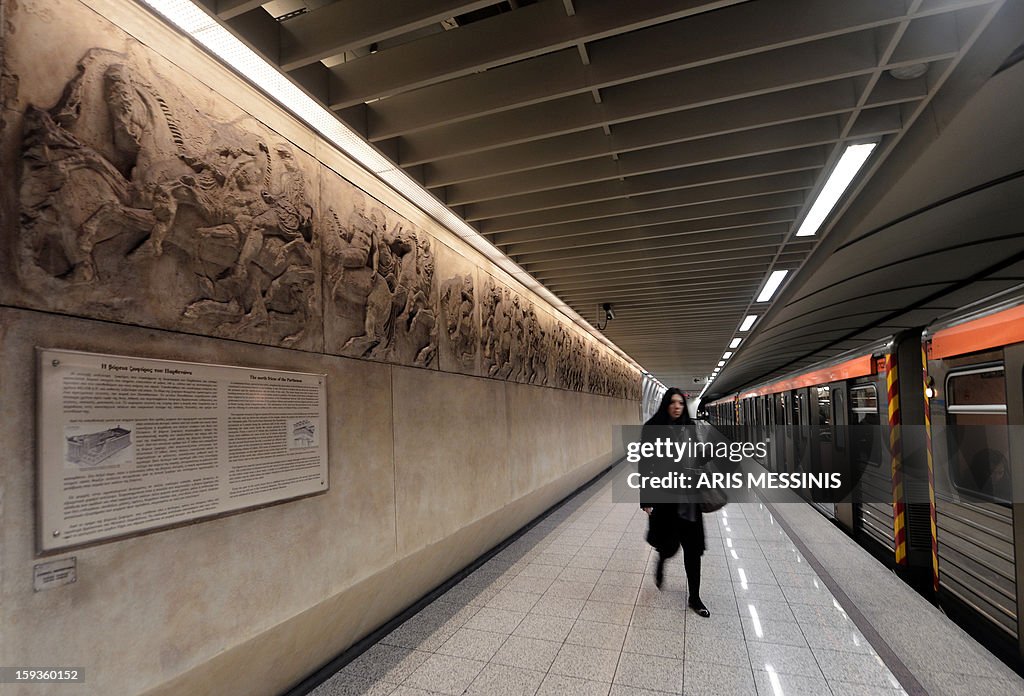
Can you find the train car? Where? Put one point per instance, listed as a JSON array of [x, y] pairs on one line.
[[846, 415], [975, 396], [948, 402]]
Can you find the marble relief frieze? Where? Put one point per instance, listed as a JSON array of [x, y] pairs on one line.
[[144, 199], [381, 286], [461, 326], [136, 206]]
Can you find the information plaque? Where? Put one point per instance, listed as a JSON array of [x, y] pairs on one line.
[[130, 444]]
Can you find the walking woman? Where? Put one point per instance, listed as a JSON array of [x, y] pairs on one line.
[[679, 524]]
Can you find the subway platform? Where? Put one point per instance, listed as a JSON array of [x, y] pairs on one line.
[[570, 608]]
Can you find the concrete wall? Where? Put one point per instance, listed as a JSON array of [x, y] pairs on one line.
[[428, 468]]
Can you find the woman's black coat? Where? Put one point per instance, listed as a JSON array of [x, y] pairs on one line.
[[667, 529]]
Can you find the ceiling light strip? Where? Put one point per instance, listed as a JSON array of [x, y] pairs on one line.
[[771, 285], [839, 180], [208, 33]]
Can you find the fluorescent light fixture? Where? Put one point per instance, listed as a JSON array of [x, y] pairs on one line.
[[735, 342], [721, 362], [838, 181], [726, 355], [774, 281], [748, 322]]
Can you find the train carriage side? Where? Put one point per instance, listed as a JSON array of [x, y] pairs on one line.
[[975, 362], [838, 416]]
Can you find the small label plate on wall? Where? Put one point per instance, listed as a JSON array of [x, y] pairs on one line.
[[46, 576]]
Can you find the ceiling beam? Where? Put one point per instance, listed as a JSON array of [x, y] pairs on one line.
[[735, 191], [717, 119], [568, 264], [512, 36], [745, 144], [668, 274], [647, 250], [718, 172], [787, 68], [727, 33], [647, 218], [343, 26], [723, 228], [667, 260]]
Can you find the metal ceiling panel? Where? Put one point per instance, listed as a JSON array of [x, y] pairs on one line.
[[659, 154]]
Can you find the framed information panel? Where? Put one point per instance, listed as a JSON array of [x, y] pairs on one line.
[[130, 444]]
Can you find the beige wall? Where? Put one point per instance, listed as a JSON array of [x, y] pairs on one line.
[[428, 468], [427, 471]]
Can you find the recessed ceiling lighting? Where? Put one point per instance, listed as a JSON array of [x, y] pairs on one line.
[[838, 181], [727, 355], [773, 283], [748, 322], [735, 342]]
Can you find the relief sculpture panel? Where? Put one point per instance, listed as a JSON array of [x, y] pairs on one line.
[[380, 285], [135, 206], [496, 317], [143, 198], [459, 334]]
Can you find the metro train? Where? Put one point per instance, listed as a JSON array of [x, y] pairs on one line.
[[941, 469]]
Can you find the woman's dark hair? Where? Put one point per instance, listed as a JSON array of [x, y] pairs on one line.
[[661, 416]]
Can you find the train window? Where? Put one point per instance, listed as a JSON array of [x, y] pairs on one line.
[[824, 414], [865, 435], [864, 399], [977, 434]]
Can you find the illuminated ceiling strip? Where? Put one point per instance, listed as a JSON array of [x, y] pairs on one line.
[[748, 322], [204, 29], [773, 283], [838, 181]]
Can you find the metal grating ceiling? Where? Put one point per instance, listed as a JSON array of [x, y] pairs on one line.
[[656, 154]]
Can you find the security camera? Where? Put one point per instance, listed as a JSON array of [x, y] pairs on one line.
[[609, 313]]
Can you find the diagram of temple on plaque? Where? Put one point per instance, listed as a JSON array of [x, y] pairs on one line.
[[303, 433], [93, 444]]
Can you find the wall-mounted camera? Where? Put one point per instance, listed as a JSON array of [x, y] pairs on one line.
[[609, 314]]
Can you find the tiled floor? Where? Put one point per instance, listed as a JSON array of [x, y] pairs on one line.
[[571, 608]]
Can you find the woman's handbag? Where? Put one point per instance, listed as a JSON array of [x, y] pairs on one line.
[[712, 499]]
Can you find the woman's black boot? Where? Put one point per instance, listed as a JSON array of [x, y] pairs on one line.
[[659, 572], [698, 607]]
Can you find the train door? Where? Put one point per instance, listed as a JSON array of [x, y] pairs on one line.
[[801, 431], [820, 432], [873, 496], [845, 513], [771, 462], [781, 437], [973, 487], [762, 426], [790, 423]]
